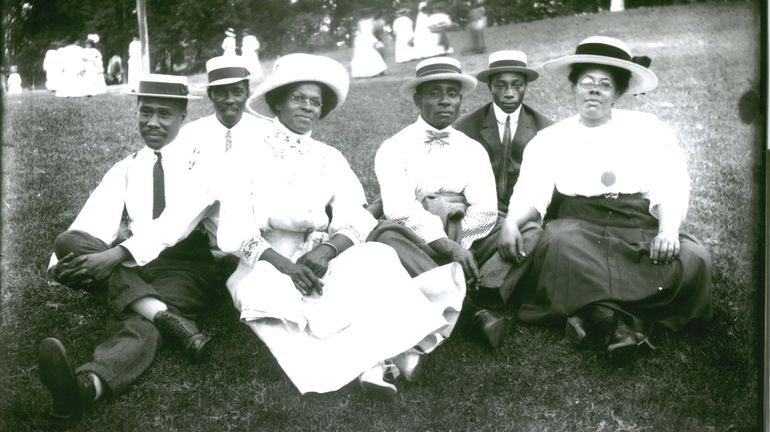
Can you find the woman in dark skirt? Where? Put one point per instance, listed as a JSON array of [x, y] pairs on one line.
[[614, 261]]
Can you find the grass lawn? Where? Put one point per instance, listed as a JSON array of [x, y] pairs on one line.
[[55, 151]]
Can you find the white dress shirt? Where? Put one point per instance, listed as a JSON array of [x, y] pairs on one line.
[[634, 152], [205, 138], [129, 182], [501, 116], [408, 170]]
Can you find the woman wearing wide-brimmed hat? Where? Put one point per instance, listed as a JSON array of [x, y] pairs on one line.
[[614, 263], [329, 307]]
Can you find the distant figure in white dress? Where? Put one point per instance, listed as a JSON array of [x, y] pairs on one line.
[[427, 43], [250, 53], [367, 61], [229, 43], [14, 81], [403, 28], [134, 63], [73, 71], [93, 78], [52, 67]]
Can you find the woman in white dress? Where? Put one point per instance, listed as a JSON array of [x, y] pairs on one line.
[[404, 31], [329, 307], [93, 65], [250, 53], [367, 61], [134, 63]]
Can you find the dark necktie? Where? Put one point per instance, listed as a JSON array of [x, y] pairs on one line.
[[158, 187], [502, 181], [228, 140]]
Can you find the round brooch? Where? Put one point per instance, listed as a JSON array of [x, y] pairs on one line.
[[608, 178]]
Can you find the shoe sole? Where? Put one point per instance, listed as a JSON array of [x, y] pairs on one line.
[[202, 353], [58, 376], [496, 333]]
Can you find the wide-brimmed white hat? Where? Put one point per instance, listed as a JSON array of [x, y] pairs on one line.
[[603, 50], [437, 69], [507, 61], [162, 86], [301, 67], [230, 32], [225, 70]]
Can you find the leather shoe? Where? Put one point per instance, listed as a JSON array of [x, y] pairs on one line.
[[194, 341], [575, 331], [493, 326], [623, 345], [71, 394]]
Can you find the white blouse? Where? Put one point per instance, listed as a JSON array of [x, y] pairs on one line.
[[634, 152], [278, 193], [408, 170]]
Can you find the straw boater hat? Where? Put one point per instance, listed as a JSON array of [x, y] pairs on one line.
[[602, 50], [507, 61], [225, 70], [437, 69], [230, 32], [162, 86], [299, 67]]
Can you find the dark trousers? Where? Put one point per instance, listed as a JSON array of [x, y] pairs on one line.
[[184, 277], [503, 276]]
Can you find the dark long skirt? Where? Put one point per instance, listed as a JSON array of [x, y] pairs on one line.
[[597, 253]]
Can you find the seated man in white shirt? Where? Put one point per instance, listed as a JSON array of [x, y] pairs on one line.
[[154, 300], [436, 183]]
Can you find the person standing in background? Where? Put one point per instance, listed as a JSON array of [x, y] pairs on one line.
[[14, 81], [250, 52], [404, 31], [477, 22], [229, 43], [134, 63]]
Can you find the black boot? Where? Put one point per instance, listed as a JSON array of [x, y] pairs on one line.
[[194, 341], [71, 394]]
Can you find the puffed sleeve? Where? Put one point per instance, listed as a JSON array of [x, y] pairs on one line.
[[672, 189], [481, 214], [536, 182], [349, 217], [397, 191]]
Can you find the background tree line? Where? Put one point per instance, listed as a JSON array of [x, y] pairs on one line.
[[184, 33]]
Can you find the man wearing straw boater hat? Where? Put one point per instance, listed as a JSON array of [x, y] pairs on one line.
[[154, 300], [504, 127], [437, 186]]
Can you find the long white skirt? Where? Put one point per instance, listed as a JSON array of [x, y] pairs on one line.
[[366, 61], [371, 310]]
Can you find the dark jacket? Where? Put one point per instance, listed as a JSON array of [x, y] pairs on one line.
[[481, 125]]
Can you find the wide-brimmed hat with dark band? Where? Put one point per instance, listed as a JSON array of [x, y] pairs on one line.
[[607, 51], [162, 86], [437, 69], [225, 70], [301, 67], [507, 61]]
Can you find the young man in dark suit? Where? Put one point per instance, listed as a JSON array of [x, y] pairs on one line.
[[503, 127]]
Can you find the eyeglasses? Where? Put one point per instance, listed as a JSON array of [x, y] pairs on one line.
[[301, 100], [589, 84]]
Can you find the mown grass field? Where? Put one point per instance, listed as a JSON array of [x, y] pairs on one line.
[[55, 151]]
